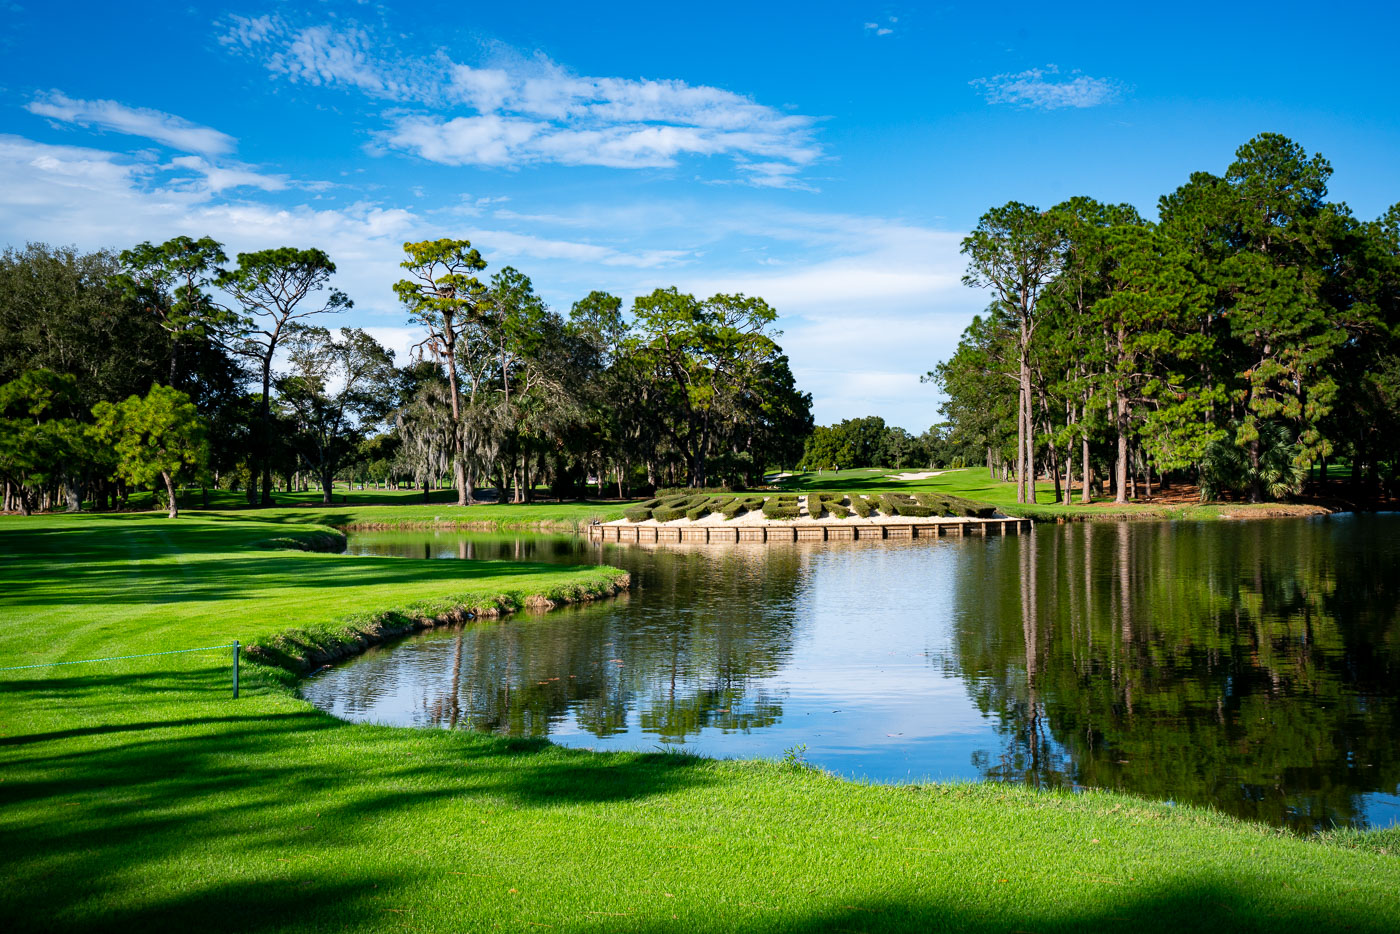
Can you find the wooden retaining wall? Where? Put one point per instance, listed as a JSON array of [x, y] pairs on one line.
[[803, 532]]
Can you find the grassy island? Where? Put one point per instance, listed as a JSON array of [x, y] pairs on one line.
[[138, 795]]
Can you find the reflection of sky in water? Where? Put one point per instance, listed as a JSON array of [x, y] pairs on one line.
[[862, 679], [894, 662]]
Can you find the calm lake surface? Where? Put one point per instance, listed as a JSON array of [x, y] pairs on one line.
[[1253, 666]]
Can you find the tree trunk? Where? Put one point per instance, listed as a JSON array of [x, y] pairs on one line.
[[1021, 431], [1069, 474], [170, 494], [1120, 478], [265, 448], [1256, 488], [327, 488]]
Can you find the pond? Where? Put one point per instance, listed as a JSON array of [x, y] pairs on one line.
[[1252, 666]]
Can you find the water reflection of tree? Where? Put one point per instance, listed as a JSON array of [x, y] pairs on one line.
[[1251, 666], [687, 652]]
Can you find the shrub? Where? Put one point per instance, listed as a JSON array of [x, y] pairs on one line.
[[936, 502], [637, 514], [861, 506], [673, 508], [689, 492], [820, 505], [741, 504], [705, 506], [783, 506], [948, 505]]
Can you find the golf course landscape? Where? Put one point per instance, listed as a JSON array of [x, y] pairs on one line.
[[139, 794], [771, 468]]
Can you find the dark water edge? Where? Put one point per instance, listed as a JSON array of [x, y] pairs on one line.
[[1250, 666]]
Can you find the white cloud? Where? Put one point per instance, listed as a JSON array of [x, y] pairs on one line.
[[1046, 89], [217, 178], [517, 245], [527, 111], [165, 128], [68, 194]]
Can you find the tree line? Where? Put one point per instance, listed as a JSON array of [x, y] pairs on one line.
[[167, 365], [1245, 340], [869, 442]]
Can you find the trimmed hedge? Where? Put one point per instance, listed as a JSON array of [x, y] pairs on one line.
[[707, 505], [949, 505], [742, 504], [861, 506], [902, 504], [667, 513], [782, 506], [637, 514], [820, 505]]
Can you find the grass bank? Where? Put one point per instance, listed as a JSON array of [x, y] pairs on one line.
[[395, 509], [977, 483], [138, 795]]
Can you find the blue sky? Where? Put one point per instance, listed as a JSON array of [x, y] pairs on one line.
[[827, 156]]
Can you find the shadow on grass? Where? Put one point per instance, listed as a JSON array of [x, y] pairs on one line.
[[118, 803], [271, 822], [1175, 906], [113, 582]]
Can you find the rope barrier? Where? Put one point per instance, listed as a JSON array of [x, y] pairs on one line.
[[119, 658]]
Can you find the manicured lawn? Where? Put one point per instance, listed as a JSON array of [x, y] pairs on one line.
[[976, 483], [138, 795], [398, 507]]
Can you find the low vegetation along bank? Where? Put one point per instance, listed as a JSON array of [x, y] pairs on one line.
[[817, 506], [138, 795]]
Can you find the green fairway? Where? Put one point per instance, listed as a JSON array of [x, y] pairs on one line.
[[139, 795], [976, 483], [397, 507]]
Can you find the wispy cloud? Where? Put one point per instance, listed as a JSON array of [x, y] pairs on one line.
[[168, 129], [882, 29], [217, 178], [1047, 89], [520, 111]]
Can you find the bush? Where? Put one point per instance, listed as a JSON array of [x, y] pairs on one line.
[[820, 505], [672, 509], [696, 491], [782, 506], [741, 504], [637, 514], [936, 502], [860, 506], [948, 505]]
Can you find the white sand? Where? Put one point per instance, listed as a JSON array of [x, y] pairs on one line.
[[922, 475]]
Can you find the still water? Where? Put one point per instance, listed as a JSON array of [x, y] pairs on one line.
[[1251, 666]]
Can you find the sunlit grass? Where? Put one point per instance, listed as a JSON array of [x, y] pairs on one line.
[[139, 796]]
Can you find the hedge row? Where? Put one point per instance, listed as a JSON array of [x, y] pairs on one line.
[[673, 507], [710, 504], [948, 505], [742, 504], [698, 504], [862, 506], [782, 506], [821, 505]]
